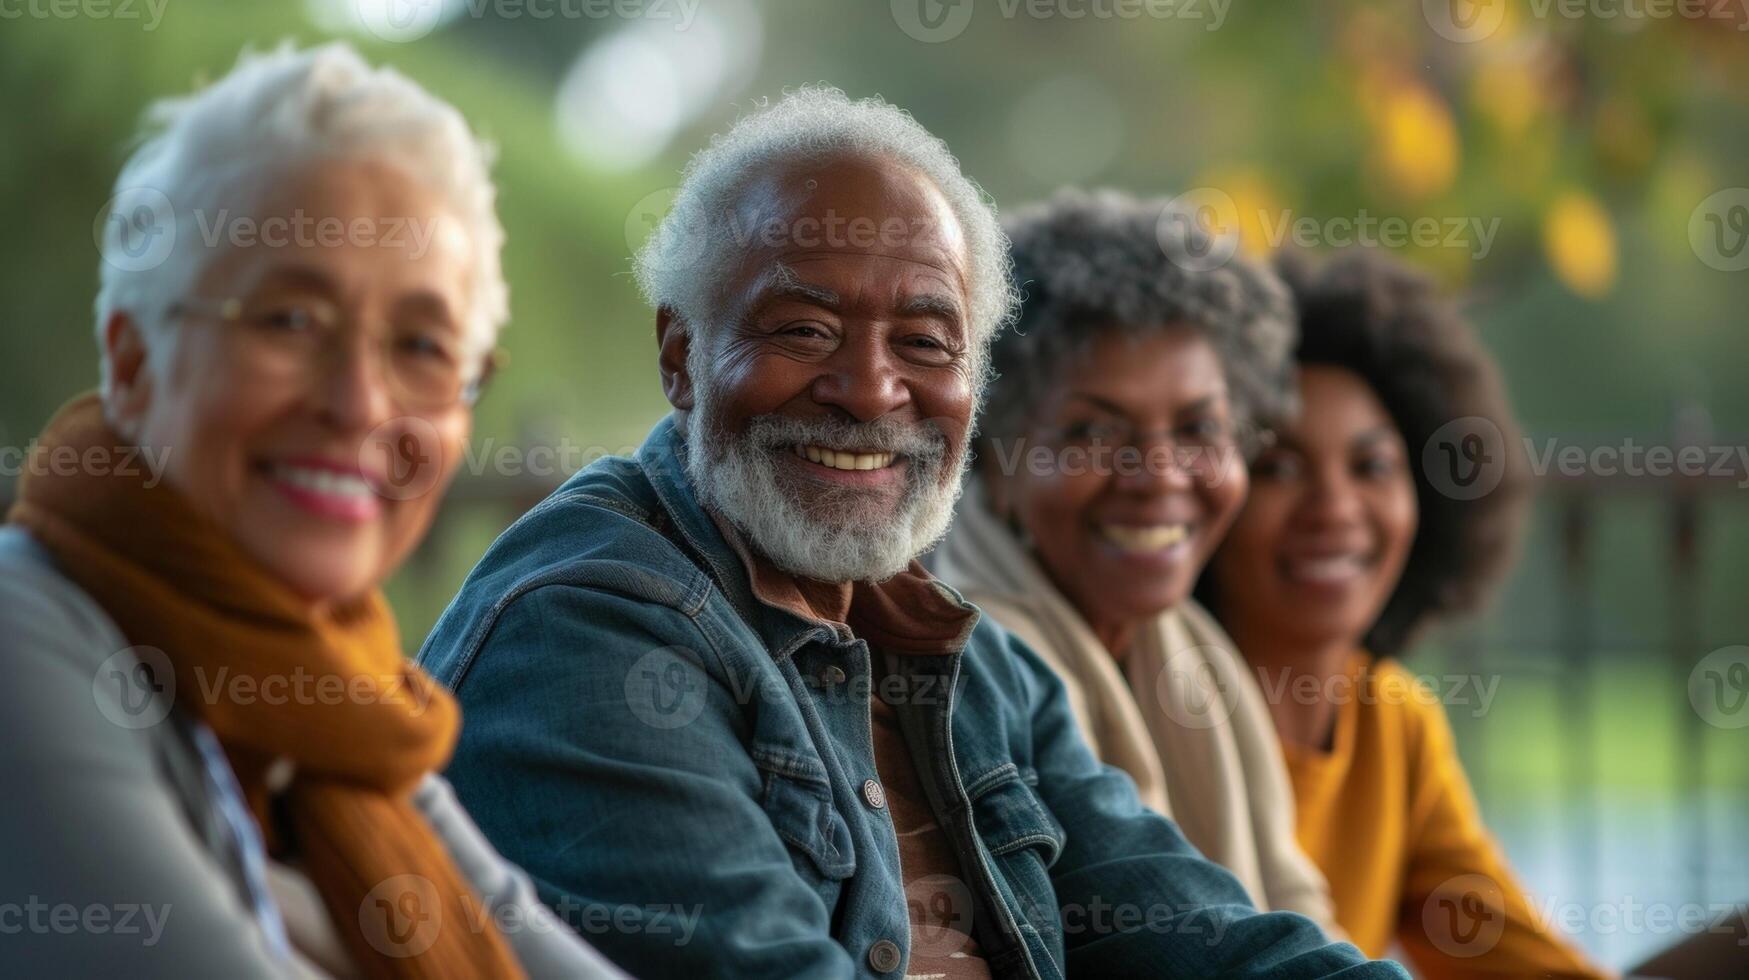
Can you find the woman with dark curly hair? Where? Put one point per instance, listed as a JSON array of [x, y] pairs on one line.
[[1109, 464], [1361, 529]]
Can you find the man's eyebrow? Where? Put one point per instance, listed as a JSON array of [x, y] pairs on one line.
[[783, 281], [931, 304]]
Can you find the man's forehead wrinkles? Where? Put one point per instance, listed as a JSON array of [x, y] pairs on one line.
[[779, 277], [945, 267], [918, 296]]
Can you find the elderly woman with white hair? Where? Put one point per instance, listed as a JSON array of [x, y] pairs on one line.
[[1110, 464], [221, 762]]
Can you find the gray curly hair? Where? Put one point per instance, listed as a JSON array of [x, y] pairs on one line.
[[685, 262], [1094, 263]]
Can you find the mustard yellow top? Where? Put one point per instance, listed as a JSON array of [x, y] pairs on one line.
[[1388, 816]]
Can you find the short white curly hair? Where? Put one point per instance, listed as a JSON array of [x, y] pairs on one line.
[[685, 263], [275, 112]]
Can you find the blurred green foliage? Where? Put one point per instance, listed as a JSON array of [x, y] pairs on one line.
[[1289, 107], [1592, 140]]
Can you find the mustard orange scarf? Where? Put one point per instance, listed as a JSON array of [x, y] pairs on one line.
[[330, 692]]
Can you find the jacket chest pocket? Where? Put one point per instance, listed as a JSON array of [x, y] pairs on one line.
[[799, 805], [1024, 839]]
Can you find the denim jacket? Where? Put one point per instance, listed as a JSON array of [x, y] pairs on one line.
[[688, 773]]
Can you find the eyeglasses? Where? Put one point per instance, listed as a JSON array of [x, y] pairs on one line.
[[424, 362]]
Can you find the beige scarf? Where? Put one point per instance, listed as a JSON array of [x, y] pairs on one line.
[[1181, 713]]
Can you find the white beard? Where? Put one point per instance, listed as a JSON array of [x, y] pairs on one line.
[[838, 536]]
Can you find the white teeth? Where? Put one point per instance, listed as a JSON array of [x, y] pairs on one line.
[[1339, 568], [845, 460], [1140, 538], [326, 482]]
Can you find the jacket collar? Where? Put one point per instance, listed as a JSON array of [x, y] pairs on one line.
[[663, 460]]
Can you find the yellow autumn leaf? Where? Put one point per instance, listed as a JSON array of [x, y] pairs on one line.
[[1579, 241], [1415, 142]]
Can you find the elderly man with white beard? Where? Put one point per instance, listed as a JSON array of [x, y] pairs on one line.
[[716, 707]]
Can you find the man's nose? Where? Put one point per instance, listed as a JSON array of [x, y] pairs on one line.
[[863, 379]]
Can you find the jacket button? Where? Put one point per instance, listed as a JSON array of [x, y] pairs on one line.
[[834, 675], [884, 956], [873, 795]]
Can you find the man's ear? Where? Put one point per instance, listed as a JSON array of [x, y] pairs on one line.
[[673, 341], [127, 385]]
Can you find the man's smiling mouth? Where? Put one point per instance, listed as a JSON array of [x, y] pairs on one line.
[[839, 459]]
